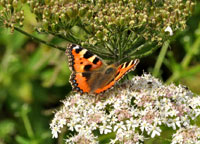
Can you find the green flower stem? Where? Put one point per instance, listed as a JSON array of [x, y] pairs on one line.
[[38, 39], [194, 49], [173, 77], [27, 125], [62, 135], [145, 54], [138, 55], [185, 62], [161, 58], [184, 73]]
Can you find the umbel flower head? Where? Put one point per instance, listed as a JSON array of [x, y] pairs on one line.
[[130, 113], [110, 28]]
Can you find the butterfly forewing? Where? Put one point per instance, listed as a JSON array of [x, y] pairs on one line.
[[81, 60]]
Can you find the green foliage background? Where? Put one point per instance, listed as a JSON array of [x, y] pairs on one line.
[[34, 78]]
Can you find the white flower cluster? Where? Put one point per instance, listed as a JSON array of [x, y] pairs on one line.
[[189, 135], [130, 113]]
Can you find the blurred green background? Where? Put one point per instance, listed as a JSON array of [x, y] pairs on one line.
[[34, 78]]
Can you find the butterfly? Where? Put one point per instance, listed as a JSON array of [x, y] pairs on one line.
[[90, 74]]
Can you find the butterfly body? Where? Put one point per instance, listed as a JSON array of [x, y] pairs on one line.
[[92, 75]]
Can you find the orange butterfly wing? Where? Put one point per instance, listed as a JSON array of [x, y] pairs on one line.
[[82, 63], [81, 60], [121, 71]]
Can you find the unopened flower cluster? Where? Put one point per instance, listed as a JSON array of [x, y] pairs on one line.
[[11, 13], [110, 28], [130, 113], [103, 18]]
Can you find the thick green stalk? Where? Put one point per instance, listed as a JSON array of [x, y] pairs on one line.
[[194, 49], [186, 61], [161, 58], [27, 124]]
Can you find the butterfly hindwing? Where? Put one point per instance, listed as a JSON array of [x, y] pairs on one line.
[[121, 71], [125, 68], [79, 82]]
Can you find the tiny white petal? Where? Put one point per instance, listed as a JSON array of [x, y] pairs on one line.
[[169, 29]]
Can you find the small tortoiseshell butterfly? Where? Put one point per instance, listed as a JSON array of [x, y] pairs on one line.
[[92, 75]]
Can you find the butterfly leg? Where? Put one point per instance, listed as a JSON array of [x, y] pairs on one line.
[[97, 98]]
